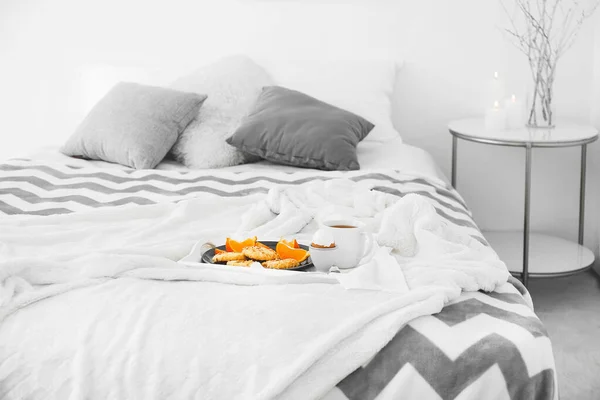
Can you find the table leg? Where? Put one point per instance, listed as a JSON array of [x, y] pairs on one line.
[[582, 192], [525, 274], [454, 143]]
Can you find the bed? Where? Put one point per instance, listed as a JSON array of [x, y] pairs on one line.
[[77, 338]]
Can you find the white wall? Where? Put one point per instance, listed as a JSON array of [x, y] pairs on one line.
[[595, 109], [595, 115], [49, 48], [459, 44]]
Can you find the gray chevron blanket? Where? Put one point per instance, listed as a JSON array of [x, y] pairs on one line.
[[480, 346]]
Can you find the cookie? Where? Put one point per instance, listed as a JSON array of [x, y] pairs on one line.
[[260, 253], [245, 263], [228, 256], [281, 264]]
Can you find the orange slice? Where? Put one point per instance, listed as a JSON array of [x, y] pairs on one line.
[[237, 247], [292, 243], [219, 251], [285, 251]]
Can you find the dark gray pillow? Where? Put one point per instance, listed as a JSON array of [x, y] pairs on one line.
[[292, 128], [134, 125]]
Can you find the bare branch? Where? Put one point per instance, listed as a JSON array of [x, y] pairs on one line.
[[544, 30]]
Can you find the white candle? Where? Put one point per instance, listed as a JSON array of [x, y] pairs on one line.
[[496, 89], [495, 118], [515, 114]]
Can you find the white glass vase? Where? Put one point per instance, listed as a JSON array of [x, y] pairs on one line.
[[539, 104]]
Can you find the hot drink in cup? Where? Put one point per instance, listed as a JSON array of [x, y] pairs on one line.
[[352, 243]]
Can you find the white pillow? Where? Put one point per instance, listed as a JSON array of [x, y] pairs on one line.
[[362, 86], [232, 84]]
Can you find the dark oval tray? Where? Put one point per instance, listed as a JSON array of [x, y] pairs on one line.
[[208, 255]]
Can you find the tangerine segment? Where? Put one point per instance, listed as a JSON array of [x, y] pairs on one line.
[[285, 251], [237, 247], [291, 243], [219, 251]]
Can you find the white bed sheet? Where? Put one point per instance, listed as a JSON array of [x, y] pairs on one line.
[[392, 154]]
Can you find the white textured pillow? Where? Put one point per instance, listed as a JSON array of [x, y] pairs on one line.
[[362, 86], [232, 84]]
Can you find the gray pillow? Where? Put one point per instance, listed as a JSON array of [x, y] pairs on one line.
[[134, 125], [292, 128]]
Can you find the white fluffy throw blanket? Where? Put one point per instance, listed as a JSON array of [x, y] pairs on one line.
[[94, 304]]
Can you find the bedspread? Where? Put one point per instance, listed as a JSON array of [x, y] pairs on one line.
[[481, 345]]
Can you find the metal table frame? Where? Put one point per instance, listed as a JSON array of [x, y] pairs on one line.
[[528, 146]]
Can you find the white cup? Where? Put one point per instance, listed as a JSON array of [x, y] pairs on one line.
[[351, 242], [322, 258]]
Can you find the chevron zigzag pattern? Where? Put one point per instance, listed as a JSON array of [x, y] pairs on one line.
[[29, 187], [470, 350], [481, 346]]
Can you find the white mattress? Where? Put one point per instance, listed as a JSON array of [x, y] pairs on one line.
[[371, 155]]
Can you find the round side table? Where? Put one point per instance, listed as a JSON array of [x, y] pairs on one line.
[[548, 256]]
